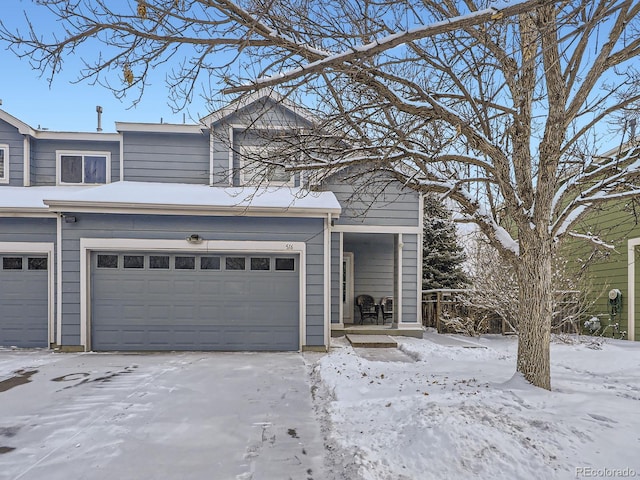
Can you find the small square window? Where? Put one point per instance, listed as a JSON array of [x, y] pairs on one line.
[[71, 169], [209, 263], [159, 261], [260, 263], [37, 263], [285, 264], [107, 261], [134, 261], [234, 263], [95, 169], [185, 263], [12, 263]]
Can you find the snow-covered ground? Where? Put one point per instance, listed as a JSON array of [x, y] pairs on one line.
[[461, 413], [431, 410]]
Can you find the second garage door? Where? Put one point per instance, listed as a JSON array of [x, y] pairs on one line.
[[173, 301]]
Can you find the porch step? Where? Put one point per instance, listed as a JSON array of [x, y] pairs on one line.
[[371, 341], [378, 330]]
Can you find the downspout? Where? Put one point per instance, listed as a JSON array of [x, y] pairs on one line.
[[59, 279], [231, 156], [631, 283], [26, 149], [420, 257], [211, 155], [399, 301], [121, 156]]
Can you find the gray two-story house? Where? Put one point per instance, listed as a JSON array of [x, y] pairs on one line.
[[168, 237]]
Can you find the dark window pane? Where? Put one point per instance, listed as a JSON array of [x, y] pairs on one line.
[[107, 261], [37, 263], [210, 263], [260, 263], [95, 169], [134, 261], [71, 169], [288, 264], [2, 154], [12, 263], [185, 263], [234, 263], [159, 261]]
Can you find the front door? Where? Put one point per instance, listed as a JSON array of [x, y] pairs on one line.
[[347, 287]]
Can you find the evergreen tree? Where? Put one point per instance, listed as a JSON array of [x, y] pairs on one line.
[[442, 256]]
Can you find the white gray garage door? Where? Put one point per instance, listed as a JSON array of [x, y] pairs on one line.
[[24, 300], [175, 301]]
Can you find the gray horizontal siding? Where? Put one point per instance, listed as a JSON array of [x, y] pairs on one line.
[[10, 136], [373, 199], [265, 113], [43, 157], [410, 279], [166, 157], [178, 228], [26, 230]]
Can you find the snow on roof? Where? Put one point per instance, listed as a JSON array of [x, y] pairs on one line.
[[173, 196], [31, 198]]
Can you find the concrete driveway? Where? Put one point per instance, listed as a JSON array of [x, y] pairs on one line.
[[157, 416]]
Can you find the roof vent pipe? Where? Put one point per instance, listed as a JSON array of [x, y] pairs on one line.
[[99, 110]]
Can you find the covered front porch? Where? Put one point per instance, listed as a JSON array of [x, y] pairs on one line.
[[377, 263]]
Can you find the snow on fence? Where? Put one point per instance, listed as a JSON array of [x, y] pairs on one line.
[[470, 312]]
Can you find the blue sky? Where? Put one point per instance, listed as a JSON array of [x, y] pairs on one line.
[[72, 107], [66, 106]]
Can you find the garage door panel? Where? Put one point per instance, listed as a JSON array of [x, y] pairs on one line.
[[187, 287], [159, 287], [159, 313], [197, 309]]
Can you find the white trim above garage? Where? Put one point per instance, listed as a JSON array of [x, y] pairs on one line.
[[88, 245], [42, 248]]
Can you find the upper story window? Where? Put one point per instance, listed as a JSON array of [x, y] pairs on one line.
[[260, 166], [77, 168], [4, 163]]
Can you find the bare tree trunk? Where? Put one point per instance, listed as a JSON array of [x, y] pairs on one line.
[[535, 312]]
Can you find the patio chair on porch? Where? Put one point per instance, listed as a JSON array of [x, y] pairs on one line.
[[368, 308], [386, 305]]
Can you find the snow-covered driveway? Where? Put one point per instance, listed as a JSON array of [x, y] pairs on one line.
[[157, 416]]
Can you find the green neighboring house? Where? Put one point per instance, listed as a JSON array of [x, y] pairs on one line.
[[615, 224]]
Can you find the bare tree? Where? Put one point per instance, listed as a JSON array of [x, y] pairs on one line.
[[498, 108]]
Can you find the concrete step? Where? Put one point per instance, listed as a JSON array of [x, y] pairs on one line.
[[371, 341], [378, 330]]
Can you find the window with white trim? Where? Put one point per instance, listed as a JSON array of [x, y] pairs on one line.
[[77, 168], [4, 163], [260, 165]]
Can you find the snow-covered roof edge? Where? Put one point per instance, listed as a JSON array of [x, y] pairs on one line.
[[169, 198]]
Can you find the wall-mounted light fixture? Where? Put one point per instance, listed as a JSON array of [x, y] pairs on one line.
[[194, 238], [69, 219]]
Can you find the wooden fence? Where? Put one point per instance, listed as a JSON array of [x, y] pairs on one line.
[[440, 305]]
